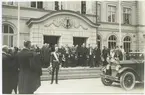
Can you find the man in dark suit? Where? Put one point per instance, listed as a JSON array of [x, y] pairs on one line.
[[79, 55], [118, 53], [25, 72], [97, 56], [83, 55], [62, 52], [15, 71], [6, 71], [105, 54], [46, 55], [90, 54], [55, 64]]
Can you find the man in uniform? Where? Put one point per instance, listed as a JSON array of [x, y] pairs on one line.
[[55, 64]]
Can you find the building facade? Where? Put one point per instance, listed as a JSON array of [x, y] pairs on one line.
[[75, 22]]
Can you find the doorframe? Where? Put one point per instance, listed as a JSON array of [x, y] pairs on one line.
[[51, 36], [86, 38]]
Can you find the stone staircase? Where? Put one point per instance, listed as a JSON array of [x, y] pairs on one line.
[[73, 73]]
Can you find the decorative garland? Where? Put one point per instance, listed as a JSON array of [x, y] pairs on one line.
[[66, 23]]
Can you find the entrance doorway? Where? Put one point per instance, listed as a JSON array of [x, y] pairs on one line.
[[79, 40], [52, 40]]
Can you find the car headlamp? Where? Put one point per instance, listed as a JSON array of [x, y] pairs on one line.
[[118, 67]]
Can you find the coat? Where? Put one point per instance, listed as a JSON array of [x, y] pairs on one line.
[[97, 54], [6, 73], [15, 71], [36, 70], [25, 74]]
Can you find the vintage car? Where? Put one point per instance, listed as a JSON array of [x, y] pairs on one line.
[[126, 72]]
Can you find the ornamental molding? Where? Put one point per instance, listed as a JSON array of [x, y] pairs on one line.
[[66, 22], [60, 13]]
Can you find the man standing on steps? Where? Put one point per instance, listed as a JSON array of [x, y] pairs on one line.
[[55, 64], [97, 56], [90, 54]]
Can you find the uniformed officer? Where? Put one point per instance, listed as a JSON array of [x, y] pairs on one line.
[[55, 64]]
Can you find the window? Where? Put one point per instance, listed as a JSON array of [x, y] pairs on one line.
[[8, 35], [33, 4], [99, 41], [83, 7], [56, 5], [111, 13], [98, 12], [127, 43], [112, 41], [38, 4], [8, 3], [126, 15]]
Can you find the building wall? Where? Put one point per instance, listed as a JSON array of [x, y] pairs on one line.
[[9, 15]]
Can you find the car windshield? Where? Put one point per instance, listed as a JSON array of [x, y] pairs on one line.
[[137, 56]]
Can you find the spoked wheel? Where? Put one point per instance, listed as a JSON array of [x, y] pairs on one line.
[[106, 82], [127, 80]]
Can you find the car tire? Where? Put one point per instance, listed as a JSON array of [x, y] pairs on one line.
[[127, 80], [106, 82]]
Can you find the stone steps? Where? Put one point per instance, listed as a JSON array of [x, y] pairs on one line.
[[73, 73]]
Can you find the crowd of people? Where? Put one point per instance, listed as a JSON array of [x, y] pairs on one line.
[[23, 68], [81, 55]]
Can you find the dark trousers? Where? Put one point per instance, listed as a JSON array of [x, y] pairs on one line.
[[97, 63], [105, 61], [91, 63], [6, 83], [45, 64], [66, 60], [55, 70]]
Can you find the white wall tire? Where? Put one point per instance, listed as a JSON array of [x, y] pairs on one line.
[[127, 80]]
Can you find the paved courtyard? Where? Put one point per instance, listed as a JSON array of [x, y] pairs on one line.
[[84, 86]]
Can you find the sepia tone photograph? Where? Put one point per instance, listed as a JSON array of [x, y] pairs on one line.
[[73, 47]]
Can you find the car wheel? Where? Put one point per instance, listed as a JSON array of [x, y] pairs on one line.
[[127, 80], [106, 82]]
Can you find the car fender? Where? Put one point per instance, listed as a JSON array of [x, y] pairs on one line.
[[128, 69]]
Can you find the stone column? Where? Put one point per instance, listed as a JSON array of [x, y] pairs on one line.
[[140, 25]]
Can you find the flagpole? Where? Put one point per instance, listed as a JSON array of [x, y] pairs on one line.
[[120, 32], [18, 27], [96, 22]]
